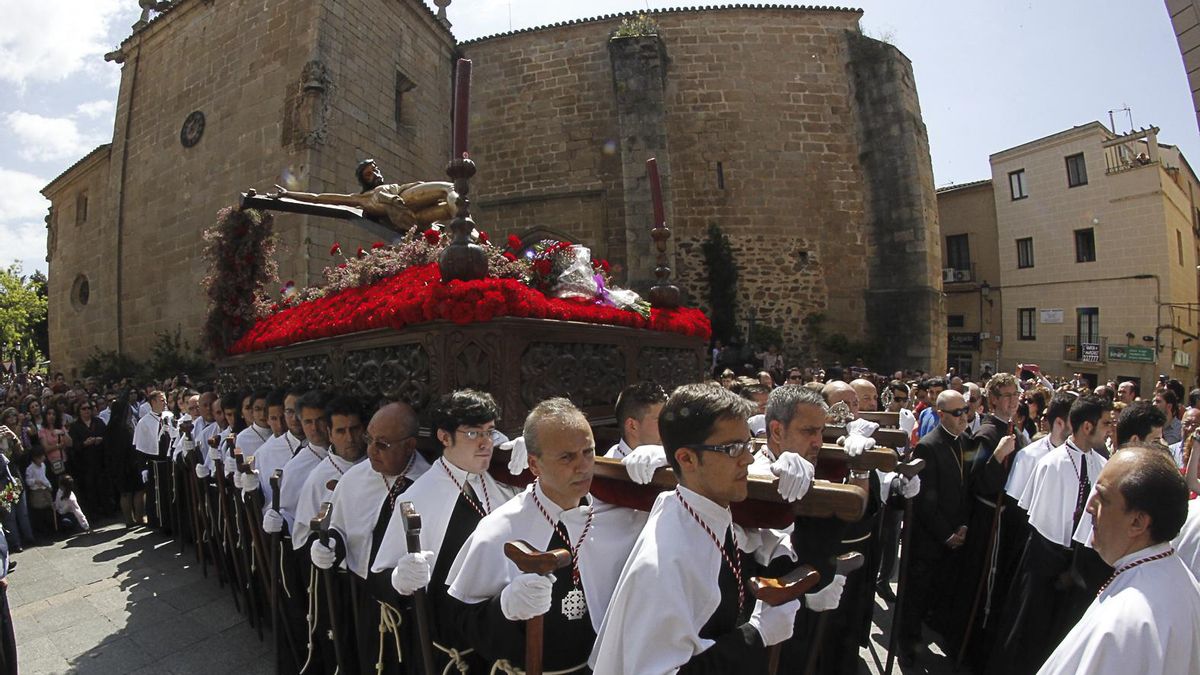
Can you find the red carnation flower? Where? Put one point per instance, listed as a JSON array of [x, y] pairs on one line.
[[542, 266], [483, 237], [509, 256], [432, 236], [514, 243], [361, 253], [378, 245], [335, 249], [341, 266]]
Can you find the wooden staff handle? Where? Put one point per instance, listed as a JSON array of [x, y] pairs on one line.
[[276, 481], [780, 591], [532, 561], [412, 538], [910, 468], [849, 562]]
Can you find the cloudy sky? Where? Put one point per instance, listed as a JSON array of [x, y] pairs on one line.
[[991, 74]]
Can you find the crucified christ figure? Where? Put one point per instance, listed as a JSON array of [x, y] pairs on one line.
[[399, 205]]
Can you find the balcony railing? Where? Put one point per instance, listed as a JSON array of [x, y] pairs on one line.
[[1093, 351]]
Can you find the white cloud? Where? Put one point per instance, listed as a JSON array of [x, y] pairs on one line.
[[49, 41], [44, 139], [97, 109], [22, 224]]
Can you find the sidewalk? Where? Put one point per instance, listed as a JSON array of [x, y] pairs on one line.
[[123, 602]]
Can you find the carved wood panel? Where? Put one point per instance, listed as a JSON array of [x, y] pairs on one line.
[[473, 360], [669, 367], [307, 372], [397, 372], [588, 374]]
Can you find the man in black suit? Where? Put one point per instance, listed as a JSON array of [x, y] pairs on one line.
[[941, 516]]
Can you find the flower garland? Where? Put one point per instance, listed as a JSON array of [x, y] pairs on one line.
[[417, 295], [240, 256]]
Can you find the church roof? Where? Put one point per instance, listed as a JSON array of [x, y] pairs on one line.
[[69, 169], [668, 10]]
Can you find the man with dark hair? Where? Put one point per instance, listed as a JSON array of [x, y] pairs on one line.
[[1041, 608], [1168, 402], [1144, 619], [756, 394], [637, 411], [311, 408], [281, 448], [258, 430], [452, 497], [343, 418], [363, 503], [679, 603], [492, 599], [940, 524], [1140, 422], [900, 396]]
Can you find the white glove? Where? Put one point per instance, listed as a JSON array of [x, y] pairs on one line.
[[202, 471], [526, 596], [187, 444], [412, 572], [758, 425], [214, 454], [827, 598], [909, 487], [861, 427], [855, 445], [230, 465], [322, 556], [519, 461], [251, 481], [272, 521], [908, 421], [795, 475], [774, 624], [642, 461]]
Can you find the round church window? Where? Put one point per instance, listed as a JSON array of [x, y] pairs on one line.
[[193, 129], [81, 292]]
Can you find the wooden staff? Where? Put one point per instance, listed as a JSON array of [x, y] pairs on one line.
[[320, 525], [846, 563], [247, 553], [190, 481], [983, 578], [412, 537], [253, 519], [780, 591], [237, 579], [906, 555], [278, 619], [532, 561]]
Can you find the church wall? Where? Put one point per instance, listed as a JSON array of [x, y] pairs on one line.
[[763, 92]]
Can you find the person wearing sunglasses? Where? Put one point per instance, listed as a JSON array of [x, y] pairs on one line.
[[680, 601]]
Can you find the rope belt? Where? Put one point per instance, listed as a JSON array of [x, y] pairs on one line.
[[456, 658], [991, 573], [389, 622], [860, 539], [506, 667], [312, 615], [985, 502]]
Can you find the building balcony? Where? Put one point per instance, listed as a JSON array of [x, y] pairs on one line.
[[1093, 351]]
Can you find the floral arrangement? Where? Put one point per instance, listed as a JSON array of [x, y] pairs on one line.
[[9, 495], [393, 286], [240, 260]]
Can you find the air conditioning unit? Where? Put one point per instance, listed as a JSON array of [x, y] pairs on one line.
[[962, 275], [948, 274]]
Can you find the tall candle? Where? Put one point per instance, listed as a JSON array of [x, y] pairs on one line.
[[655, 191], [462, 106]]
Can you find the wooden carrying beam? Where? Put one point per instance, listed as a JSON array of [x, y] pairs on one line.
[[887, 420], [890, 438]]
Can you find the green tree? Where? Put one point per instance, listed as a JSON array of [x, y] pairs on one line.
[[722, 283], [22, 312]]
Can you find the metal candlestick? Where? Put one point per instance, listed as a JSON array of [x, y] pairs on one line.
[[462, 259]]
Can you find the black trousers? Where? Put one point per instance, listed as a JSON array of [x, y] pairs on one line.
[[8, 640]]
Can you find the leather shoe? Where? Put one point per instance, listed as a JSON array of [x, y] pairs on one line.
[[884, 590]]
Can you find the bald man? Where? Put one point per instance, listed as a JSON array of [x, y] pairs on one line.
[[868, 395], [836, 391], [363, 503]]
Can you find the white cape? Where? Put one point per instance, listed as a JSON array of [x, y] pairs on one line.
[[434, 496], [1146, 622], [274, 454], [295, 475], [1187, 543], [1024, 462], [668, 589], [1053, 490], [481, 570], [314, 492], [357, 500], [250, 439]]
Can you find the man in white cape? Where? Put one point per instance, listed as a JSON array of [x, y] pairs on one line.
[[1146, 618]]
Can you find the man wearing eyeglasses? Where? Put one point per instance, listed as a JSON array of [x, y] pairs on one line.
[[363, 503], [451, 497], [680, 602], [940, 511]]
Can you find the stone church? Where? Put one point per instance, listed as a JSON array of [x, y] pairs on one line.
[[784, 125]]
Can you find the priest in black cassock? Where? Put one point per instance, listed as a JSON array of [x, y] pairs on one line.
[[451, 497], [681, 603], [940, 527], [977, 596], [493, 599], [363, 503]]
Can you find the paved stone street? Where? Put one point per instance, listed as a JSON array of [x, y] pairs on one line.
[[125, 601]]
